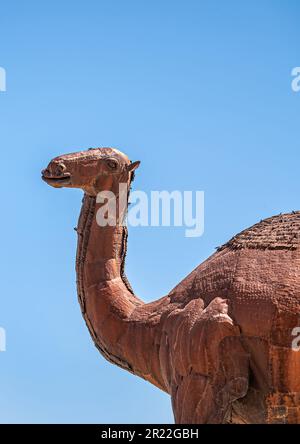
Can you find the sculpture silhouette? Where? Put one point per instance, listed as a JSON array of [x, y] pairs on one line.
[[220, 343]]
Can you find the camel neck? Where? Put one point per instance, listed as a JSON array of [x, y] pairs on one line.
[[107, 302], [101, 251]]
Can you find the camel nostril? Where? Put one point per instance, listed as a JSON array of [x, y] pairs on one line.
[[61, 168]]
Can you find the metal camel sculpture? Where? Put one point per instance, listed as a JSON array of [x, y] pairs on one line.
[[220, 342]]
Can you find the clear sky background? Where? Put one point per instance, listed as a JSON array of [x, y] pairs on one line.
[[200, 92]]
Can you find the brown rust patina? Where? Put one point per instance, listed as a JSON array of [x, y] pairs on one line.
[[220, 343]]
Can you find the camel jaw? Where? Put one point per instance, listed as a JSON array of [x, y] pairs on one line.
[[58, 182]]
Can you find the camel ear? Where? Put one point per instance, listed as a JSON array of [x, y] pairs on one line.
[[133, 166]]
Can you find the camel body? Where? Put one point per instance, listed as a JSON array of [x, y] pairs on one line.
[[220, 343]]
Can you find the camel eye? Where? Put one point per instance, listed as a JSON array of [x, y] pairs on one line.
[[113, 164]]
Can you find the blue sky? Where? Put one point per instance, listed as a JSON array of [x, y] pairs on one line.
[[200, 92]]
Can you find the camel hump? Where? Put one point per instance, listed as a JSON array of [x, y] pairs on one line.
[[281, 232]]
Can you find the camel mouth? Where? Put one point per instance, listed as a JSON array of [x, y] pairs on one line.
[[62, 180]]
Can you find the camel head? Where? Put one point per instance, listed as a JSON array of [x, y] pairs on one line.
[[93, 170]]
